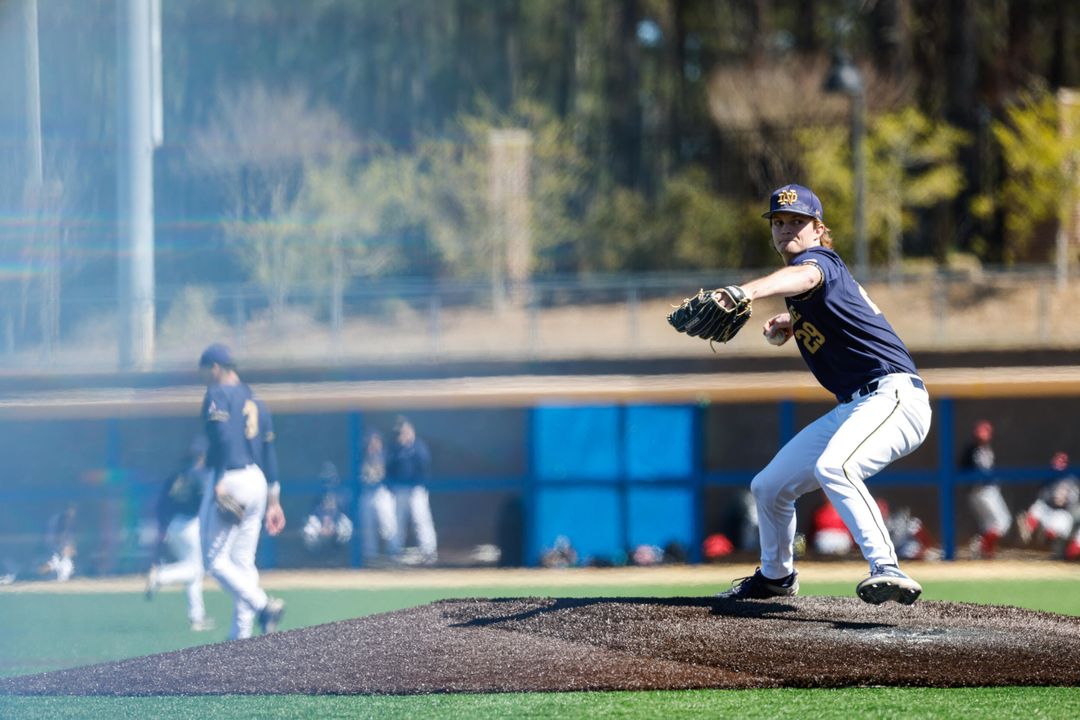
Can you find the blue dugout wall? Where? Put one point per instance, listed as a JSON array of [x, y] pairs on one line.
[[618, 476], [612, 477], [609, 476]]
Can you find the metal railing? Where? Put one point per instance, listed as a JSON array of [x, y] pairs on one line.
[[548, 318]]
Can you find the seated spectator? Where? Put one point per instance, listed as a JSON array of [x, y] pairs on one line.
[[562, 555], [328, 525], [1054, 514], [60, 545]]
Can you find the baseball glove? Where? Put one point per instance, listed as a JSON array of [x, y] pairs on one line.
[[229, 507], [705, 317]]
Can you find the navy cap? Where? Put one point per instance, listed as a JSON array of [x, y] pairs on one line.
[[795, 199], [216, 354]]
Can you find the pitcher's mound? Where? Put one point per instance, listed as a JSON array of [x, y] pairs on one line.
[[549, 644]]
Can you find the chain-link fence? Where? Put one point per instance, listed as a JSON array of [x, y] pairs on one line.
[[606, 317]]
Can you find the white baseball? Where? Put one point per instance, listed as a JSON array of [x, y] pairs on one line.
[[778, 336]]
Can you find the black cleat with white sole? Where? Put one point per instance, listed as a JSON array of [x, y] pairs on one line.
[[888, 582]]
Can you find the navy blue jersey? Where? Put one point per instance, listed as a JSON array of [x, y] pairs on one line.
[[231, 417], [240, 429], [842, 335], [181, 495], [408, 465]]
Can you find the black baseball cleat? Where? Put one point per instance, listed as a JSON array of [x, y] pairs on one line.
[[270, 616], [759, 587], [888, 582]]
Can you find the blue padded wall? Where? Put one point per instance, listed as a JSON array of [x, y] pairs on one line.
[[637, 464], [659, 515], [589, 517], [576, 443], [659, 442]]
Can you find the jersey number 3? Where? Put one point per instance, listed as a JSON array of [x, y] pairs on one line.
[[251, 419]]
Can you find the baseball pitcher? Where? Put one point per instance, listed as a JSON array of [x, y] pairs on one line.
[[240, 436], [882, 411]]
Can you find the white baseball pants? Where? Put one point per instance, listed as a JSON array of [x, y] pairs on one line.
[[182, 537], [378, 519], [838, 452], [413, 502], [990, 509], [1058, 522], [230, 546]]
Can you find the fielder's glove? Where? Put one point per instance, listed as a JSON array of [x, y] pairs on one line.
[[705, 317], [229, 507]]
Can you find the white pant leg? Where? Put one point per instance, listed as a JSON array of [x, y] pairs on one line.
[[379, 518], [1056, 521], [402, 506], [873, 432], [244, 612], [788, 476], [182, 536], [990, 509], [206, 508], [230, 553], [385, 512], [420, 509]]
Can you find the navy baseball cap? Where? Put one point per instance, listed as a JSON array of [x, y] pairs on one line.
[[795, 199], [216, 354]]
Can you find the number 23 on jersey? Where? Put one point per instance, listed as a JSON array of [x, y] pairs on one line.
[[807, 333]]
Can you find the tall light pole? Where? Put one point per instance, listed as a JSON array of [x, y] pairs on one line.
[[135, 181], [35, 174], [844, 77]]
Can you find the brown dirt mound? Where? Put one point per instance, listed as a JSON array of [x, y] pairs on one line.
[[550, 644]]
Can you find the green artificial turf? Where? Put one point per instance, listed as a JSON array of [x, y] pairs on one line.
[[44, 631], [905, 703]]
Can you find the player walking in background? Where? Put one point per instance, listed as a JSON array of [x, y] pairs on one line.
[[991, 512], [408, 465], [240, 434], [883, 411], [178, 528]]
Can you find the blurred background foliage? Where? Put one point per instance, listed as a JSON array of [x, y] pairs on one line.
[[333, 140], [1039, 141], [912, 165]]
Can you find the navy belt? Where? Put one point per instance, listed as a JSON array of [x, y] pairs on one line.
[[873, 385]]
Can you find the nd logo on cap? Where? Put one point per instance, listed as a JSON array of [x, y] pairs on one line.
[[794, 199]]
